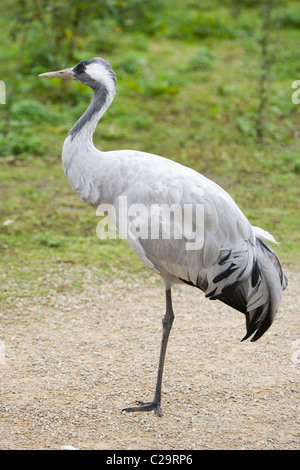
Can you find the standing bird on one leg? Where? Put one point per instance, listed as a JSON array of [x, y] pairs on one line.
[[229, 260]]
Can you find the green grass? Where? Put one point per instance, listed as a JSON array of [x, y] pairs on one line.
[[189, 98]]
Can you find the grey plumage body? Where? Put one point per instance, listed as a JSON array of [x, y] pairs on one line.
[[234, 264]]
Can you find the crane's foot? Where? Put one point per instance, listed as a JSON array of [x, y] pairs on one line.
[[145, 406]]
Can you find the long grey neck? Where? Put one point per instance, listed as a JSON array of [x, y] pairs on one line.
[[85, 126]]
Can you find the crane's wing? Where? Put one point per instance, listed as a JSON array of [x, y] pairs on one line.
[[188, 228]]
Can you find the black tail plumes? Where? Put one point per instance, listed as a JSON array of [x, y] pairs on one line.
[[251, 281], [272, 281], [259, 294]]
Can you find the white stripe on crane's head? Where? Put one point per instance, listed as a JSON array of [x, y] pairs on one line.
[[99, 71], [95, 73]]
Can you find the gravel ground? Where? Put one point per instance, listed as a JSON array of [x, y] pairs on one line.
[[69, 363]]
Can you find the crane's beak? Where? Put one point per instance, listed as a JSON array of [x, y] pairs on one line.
[[65, 73]]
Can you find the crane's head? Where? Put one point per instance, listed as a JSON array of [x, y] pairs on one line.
[[94, 72]]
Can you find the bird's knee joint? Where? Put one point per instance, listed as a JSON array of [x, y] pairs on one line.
[[167, 320]]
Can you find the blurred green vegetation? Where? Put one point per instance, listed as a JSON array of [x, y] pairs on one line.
[[204, 82]]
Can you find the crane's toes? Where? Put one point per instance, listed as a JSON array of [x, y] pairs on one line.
[[145, 406]]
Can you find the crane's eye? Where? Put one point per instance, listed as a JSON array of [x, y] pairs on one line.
[[83, 67]]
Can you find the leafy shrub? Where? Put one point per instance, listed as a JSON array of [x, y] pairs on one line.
[[203, 59], [23, 142], [131, 63], [199, 25], [291, 161], [33, 111], [289, 18], [245, 127]]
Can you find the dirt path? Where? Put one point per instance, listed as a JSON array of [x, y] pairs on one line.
[[71, 361]]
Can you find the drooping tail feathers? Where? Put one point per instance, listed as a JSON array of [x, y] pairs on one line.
[[258, 295], [261, 313]]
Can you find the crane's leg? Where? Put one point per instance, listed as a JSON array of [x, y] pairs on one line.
[[167, 325]]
